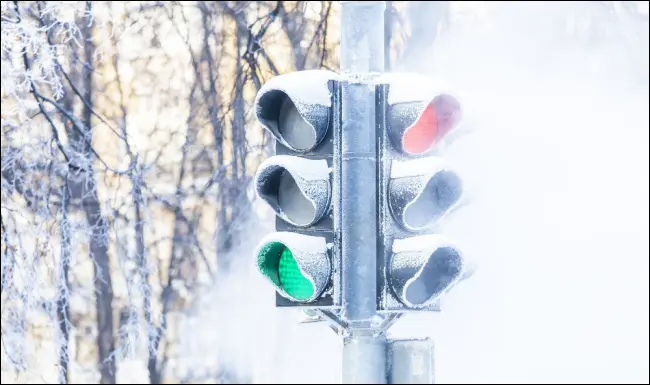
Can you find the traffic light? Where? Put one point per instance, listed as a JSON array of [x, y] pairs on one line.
[[416, 266], [301, 259]]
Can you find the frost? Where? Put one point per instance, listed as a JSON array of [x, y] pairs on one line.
[[429, 242], [376, 320], [427, 258], [423, 191], [309, 252], [308, 169], [417, 167], [411, 87], [305, 87], [300, 198], [295, 108], [296, 242]]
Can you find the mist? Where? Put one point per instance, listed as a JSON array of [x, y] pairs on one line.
[[555, 160]]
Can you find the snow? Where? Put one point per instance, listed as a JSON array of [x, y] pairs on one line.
[[417, 167], [421, 242], [296, 242], [310, 253], [303, 197], [414, 252], [308, 169], [303, 115], [412, 87], [305, 87]]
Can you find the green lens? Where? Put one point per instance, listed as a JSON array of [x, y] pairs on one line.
[[291, 279], [277, 263]]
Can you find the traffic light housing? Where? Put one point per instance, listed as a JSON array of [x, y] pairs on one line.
[[416, 266], [301, 183], [301, 258]]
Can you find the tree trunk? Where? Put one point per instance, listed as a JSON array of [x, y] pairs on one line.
[[99, 226], [143, 269], [223, 241], [293, 24], [103, 286], [63, 299], [63, 305]]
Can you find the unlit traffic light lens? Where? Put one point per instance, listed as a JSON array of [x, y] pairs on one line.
[[423, 269], [295, 205], [295, 130], [297, 189], [442, 268], [441, 192]]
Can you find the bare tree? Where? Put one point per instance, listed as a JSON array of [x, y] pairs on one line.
[[93, 187], [98, 223], [63, 302]]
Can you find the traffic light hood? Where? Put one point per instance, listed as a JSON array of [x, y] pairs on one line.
[[297, 189], [297, 265], [296, 107], [410, 87], [420, 112], [422, 191], [424, 268]]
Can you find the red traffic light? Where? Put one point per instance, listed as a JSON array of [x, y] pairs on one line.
[[438, 118]]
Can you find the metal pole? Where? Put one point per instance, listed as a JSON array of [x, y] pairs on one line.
[[362, 36], [362, 57], [364, 360]]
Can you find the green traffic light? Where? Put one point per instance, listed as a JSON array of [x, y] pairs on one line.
[[276, 262]]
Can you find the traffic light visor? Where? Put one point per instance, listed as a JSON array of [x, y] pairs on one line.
[[422, 191], [297, 189], [434, 121], [425, 269], [297, 265], [279, 265], [440, 193], [295, 108]]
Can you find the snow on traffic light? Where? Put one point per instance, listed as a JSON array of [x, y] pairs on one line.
[[300, 259], [418, 189], [297, 265]]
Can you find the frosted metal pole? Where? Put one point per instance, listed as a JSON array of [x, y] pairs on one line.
[[362, 57]]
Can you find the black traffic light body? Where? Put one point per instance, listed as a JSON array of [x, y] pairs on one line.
[[303, 258], [416, 266], [296, 154]]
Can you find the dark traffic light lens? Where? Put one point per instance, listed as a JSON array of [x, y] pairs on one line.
[[293, 202], [297, 189], [295, 130], [441, 192], [443, 267]]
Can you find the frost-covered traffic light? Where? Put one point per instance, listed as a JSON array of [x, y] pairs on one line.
[[300, 259], [418, 188]]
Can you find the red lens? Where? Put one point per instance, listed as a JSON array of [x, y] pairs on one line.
[[438, 118], [419, 137], [448, 113]]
